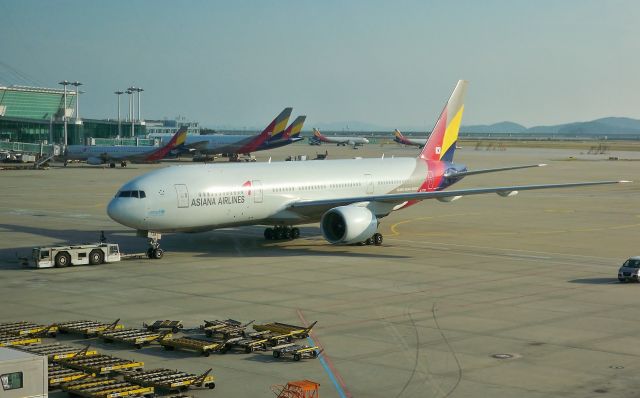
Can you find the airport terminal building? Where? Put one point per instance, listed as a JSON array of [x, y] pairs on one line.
[[37, 115]]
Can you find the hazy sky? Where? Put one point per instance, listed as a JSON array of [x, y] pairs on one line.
[[388, 63]]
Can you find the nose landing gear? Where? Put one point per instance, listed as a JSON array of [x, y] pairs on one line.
[[154, 251], [281, 232]]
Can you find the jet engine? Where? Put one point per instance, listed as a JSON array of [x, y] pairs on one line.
[[348, 224], [94, 161]]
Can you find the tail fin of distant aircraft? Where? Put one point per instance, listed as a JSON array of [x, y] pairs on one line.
[[278, 124], [178, 139], [318, 135], [442, 141], [294, 129], [399, 138]]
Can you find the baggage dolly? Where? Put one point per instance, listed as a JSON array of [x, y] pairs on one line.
[[7, 340], [101, 364], [174, 326], [225, 329], [88, 328], [56, 351], [58, 374], [204, 347], [171, 380], [297, 332], [106, 388], [246, 345], [296, 351], [135, 337], [28, 329]]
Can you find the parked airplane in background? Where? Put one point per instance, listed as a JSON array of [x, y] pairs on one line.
[[348, 197], [102, 154], [288, 136], [352, 141], [401, 139], [234, 145]]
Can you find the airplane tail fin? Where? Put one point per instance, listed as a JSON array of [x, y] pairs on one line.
[[277, 125], [442, 142], [280, 125], [294, 129], [398, 137], [178, 139], [317, 134]]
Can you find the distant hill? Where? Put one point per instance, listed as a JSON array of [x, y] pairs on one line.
[[502, 127], [603, 126]]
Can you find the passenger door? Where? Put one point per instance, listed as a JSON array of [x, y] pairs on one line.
[[368, 183], [183, 195], [256, 185]]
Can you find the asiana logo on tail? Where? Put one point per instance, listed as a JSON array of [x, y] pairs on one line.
[[231, 199]]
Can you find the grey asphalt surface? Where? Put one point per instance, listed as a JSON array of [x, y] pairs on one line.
[[532, 276]]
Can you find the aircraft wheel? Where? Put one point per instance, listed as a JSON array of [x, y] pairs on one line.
[[157, 253], [96, 257], [112, 165], [377, 239], [369, 241], [295, 233], [62, 259], [268, 233], [277, 234], [123, 164], [286, 233]]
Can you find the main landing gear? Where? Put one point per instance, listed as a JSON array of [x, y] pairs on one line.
[[281, 232], [376, 239], [154, 251]]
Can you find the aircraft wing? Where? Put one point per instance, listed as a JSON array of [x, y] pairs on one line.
[[313, 207], [483, 171]]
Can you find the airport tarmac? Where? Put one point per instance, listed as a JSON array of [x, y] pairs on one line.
[[454, 284]]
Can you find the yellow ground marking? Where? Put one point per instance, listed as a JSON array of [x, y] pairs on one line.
[[394, 227]]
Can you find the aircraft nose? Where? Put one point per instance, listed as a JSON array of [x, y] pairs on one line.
[[125, 212]]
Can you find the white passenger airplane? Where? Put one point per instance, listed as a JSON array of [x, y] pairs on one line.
[[102, 154], [401, 139], [351, 141], [348, 197], [232, 145]]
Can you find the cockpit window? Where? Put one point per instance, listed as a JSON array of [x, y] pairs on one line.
[[131, 194]]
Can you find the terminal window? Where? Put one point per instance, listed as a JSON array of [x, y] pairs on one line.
[[11, 381]]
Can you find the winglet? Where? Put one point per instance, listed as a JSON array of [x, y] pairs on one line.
[[442, 141]]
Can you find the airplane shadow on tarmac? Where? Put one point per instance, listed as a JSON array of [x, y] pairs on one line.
[[236, 242]]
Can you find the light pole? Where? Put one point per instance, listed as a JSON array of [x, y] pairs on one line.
[[130, 91], [65, 83], [119, 93], [139, 90], [77, 84]]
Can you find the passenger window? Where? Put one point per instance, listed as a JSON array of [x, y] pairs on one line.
[[142, 195], [11, 381]]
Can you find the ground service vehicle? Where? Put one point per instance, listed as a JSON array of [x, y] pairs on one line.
[[62, 256], [629, 270]]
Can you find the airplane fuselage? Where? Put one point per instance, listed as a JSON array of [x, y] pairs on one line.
[[203, 197]]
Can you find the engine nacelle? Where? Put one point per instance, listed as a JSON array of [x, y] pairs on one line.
[[94, 161], [348, 224]]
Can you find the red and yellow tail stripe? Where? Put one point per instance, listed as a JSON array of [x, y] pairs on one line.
[[442, 141]]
